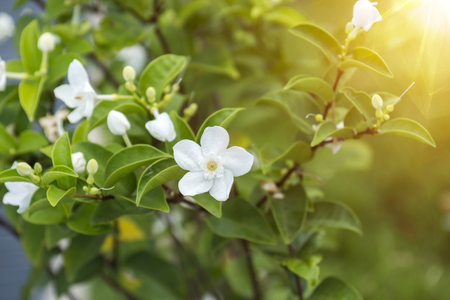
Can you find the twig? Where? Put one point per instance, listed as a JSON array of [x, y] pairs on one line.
[[297, 278], [332, 103], [251, 268], [76, 195], [105, 71], [9, 228], [154, 19], [114, 284]]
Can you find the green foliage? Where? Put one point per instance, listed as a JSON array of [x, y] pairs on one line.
[[334, 288], [369, 59], [407, 128]]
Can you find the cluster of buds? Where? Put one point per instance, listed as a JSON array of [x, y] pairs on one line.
[[190, 111], [377, 103], [25, 169], [129, 74], [91, 168]]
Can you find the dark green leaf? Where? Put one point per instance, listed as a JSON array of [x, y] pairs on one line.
[[80, 221], [110, 210], [221, 118], [333, 288], [183, 130], [7, 144], [206, 201], [54, 194], [271, 154]]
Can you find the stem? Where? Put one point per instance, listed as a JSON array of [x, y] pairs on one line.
[[92, 197], [115, 285], [120, 97], [111, 97], [251, 268], [332, 103], [115, 258], [297, 278], [9, 228], [18, 76], [127, 141], [158, 32]]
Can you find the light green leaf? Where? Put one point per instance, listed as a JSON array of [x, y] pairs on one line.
[[336, 215], [57, 172], [241, 219], [155, 199], [55, 8], [54, 194], [365, 58], [33, 242], [110, 210], [206, 201], [47, 150], [129, 159], [284, 15], [156, 175], [81, 133], [12, 175], [60, 65], [215, 60], [31, 55], [313, 85], [61, 156], [160, 72], [221, 118], [238, 277], [320, 38], [7, 144], [15, 65], [290, 212], [29, 95], [407, 128], [362, 101], [30, 141], [354, 119], [328, 129], [8, 95], [333, 288], [41, 212], [183, 130], [307, 269], [80, 221], [271, 154]]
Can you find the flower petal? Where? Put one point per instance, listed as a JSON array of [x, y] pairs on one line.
[[67, 94], [76, 115], [237, 160], [214, 140], [194, 183], [77, 75], [161, 128], [17, 199], [188, 155], [89, 108], [221, 188]]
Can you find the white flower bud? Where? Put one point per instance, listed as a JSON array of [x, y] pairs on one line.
[[92, 167], [129, 74], [3, 78], [151, 93], [161, 128], [6, 26], [365, 14], [46, 42], [377, 102], [348, 27], [24, 169], [79, 162], [117, 123]]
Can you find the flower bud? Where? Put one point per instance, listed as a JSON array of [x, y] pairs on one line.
[[46, 42], [85, 188], [151, 93], [167, 89], [319, 118], [348, 27], [379, 114], [129, 85], [24, 169], [161, 128], [386, 117], [129, 74], [167, 97], [175, 88], [365, 14], [377, 101], [92, 167], [191, 110], [38, 167], [78, 162], [94, 191], [390, 108], [118, 124], [90, 179]]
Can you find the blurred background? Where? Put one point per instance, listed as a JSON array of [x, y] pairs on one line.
[[402, 192]]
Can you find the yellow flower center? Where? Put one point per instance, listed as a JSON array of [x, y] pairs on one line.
[[212, 166]]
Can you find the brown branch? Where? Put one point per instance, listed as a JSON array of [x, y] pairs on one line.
[[297, 278], [251, 268], [76, 195], [332, 103], [8, 227], [115, 285]]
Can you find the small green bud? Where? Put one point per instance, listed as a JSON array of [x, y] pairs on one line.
[[349, 27], [319, 118], [151, 93], [386, 117], [38, 167], [85, 188], [379, 113], [90, 179], [92, 167], [175, 88], [190, 110], [390, 108], [167, 97], [129, 74], [94, 191], [377, 101], [24, 169], [129, 85], [34, 178], [167, 89]]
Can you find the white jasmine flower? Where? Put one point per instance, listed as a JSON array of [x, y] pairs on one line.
[[211, 166], [53, 124], [118, 123], [161, 128], [2, 74], [134, 56], [78, 162], [6, 26], [365, 14], [46, 42], [19, 193]]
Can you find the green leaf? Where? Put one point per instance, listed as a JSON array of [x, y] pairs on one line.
[[365, 58], [284, 15], [62, 156], [362, 101], [183, 130], [32, 239], [333, 288], [81, 133], [8, 95], [238, 277], [30, 141], [40, 212], [129, 159], [47, 150], [7, 144], [79, 221], [307, 269], [29, 95], [320, 38], [31, 55], [328, 129], [101, 111], [60, 65], [313, 85], [58, 172], [217, 60], [221, 118], [55, 8], [15, 65], [290, 212], [55, 233], [407, 128], [206, 201], [241, 219], [110, 210], [160, 72], [156, 175], [54, 194], [155, 199], [336, 215], [354, 119], [271, 154], [12, 175]]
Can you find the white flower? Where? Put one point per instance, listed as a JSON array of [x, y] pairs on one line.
[[19, 193], [161, 128], [53, 125], [6, 26], [78, 94], [211, 166], [117, 122], [78, 162], [46, 42], [2, 74], [365, 14], [134, 56]]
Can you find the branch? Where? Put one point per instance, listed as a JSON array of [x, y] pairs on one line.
[[331, 104], [297, 278], [251, 268], [93, 196]]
